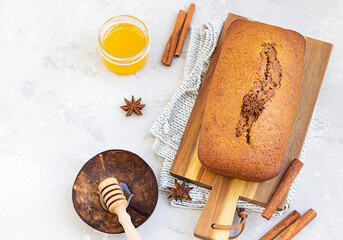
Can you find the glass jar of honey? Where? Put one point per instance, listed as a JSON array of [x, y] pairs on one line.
[[124, 44]]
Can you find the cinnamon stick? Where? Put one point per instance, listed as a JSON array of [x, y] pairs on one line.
[[185, 29], [166, 51], [297, 226], [292, 217], [174, 38], [286, 182]]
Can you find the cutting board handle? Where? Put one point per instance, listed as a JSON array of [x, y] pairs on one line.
[[225, 191]]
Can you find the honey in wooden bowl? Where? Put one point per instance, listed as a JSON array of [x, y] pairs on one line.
[[124, 44]]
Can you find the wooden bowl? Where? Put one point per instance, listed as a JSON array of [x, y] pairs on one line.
[[127, 167]]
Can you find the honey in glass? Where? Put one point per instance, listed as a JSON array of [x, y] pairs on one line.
[[124, 44]]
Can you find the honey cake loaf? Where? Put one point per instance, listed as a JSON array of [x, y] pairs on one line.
[[252, 101]]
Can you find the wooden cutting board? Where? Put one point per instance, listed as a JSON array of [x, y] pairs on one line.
[[225, 191]]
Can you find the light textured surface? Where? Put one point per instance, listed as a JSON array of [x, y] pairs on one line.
[[59, 106]]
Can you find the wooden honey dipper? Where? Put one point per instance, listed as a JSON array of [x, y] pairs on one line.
[[116, 202]]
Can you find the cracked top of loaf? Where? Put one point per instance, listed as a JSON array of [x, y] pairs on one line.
[[252, 101]]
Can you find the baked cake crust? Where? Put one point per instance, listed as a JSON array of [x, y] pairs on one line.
[[252, 101]]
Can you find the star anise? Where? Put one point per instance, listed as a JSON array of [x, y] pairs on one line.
[[133, 106], [180, 191], [253, 104]]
